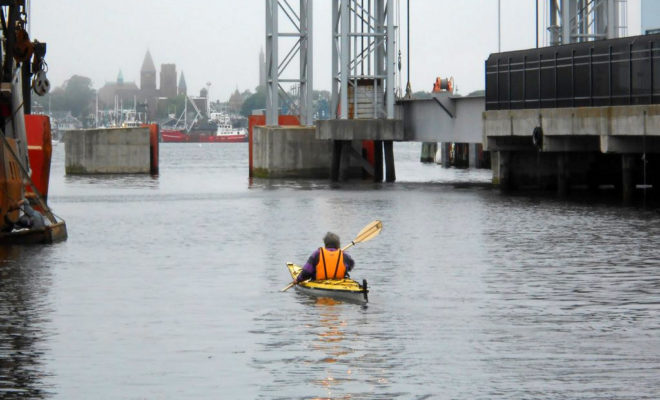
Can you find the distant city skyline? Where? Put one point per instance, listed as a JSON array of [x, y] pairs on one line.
[[219, 41]]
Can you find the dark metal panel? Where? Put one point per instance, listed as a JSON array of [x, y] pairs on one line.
[[598, 73]]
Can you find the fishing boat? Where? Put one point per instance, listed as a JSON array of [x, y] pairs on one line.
[[341, 289], [173, 135], [47, 235], [227, 133], [25, 139]]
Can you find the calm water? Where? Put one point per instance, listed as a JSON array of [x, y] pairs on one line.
[[168, 288]]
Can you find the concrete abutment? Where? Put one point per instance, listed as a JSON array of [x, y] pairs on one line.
[[562, 149], [630, 175], [335, 149], [112, 151]]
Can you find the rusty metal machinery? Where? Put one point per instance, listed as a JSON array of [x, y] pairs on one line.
[[21, 52]]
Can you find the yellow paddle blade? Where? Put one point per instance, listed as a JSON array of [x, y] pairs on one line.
[[367, 233]]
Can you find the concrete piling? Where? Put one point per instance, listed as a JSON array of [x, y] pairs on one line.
[[378, 160], [390, 173], [292, 152], [109, 151], [562, 174], [428, 152], [473, 154], [583, 147], [382, 132], [627, 178], [445, 150]]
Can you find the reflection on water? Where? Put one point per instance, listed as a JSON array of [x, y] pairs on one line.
[[329, 342], [169, 288], [135, 181], [21, 317], [332, 353]]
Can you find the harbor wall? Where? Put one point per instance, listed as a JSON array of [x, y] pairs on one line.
[[109, 151], [290, 152], [561, 149]]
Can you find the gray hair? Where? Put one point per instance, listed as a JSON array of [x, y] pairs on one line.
[[331, 240]]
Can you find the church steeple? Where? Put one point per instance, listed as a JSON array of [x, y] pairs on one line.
[[120, 78], [148, 74], [148, 63], [182, 85]]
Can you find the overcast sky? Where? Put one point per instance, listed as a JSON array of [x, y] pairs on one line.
[[218, 41]]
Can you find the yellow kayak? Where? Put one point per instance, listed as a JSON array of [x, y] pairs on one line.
[[341, 289]]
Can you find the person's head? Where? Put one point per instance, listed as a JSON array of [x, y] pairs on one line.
[[331, 240]]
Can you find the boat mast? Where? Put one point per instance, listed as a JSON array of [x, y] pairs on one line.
[[96, 114]]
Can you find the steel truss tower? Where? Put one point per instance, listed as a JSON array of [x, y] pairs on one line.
[[572, 21], [363, 58], [300, 21]]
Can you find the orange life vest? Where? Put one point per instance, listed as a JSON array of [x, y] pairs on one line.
[[331, 265]]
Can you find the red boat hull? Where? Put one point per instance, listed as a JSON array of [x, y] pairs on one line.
[[40, 149], [176, 136], [227, 139], [173, 136]]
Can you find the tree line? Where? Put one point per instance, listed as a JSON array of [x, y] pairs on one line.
[[76, 95]]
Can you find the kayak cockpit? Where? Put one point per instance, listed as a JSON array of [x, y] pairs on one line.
[[341, 289]]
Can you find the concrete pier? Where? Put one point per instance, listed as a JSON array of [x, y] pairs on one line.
[[346, 158], [298, 152], [109, 151], [560, 148], [290, 152]]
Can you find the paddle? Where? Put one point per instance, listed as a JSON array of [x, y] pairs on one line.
[[367, 233]]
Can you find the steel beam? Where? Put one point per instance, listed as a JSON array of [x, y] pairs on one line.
[[390, 67], [572, 21], [344, 61], [272, 63], [306, 62], [303, 48]]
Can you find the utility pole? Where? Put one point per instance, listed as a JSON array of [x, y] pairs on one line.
[[499, 39], [408, 87], [537, 24]]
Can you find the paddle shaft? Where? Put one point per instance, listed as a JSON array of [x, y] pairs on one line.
[[348, 246], [289, 286]]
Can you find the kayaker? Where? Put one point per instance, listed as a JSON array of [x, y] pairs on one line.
[[328, 262]]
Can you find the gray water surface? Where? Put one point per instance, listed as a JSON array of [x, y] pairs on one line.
[[168, 288]]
